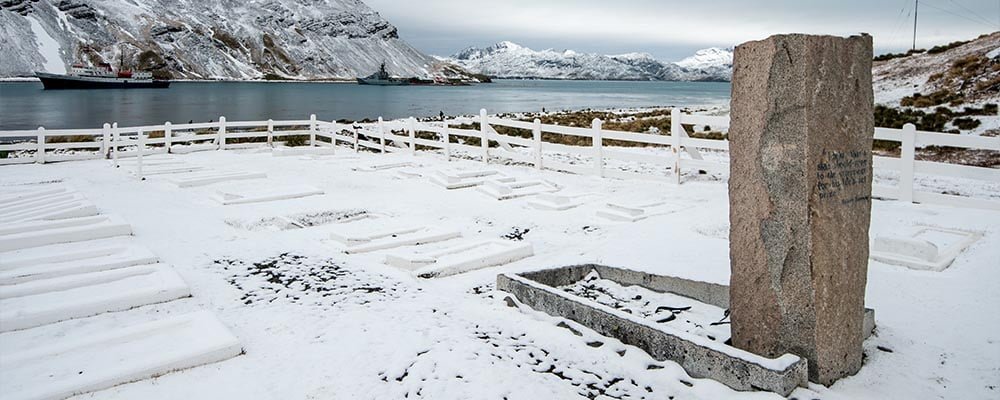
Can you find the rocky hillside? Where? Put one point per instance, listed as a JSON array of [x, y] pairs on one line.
[[216, 39], [956, 74], [952, 88], [510, 60]]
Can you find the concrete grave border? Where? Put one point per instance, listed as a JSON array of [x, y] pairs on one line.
[[204, 178], [501, 190], [909, 251], [699, 356], [461, 257], [248, 195], [627, 212]]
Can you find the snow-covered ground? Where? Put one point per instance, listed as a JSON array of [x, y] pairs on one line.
[[316, 323]]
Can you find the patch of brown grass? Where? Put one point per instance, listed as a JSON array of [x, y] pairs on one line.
[[71, 139]]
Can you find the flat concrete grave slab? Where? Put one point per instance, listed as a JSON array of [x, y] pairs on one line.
[[384, 166], [13, 197], [28, 201], [364, 237], [285, 151], [70, 205], [301, 220], [166, 169], [457, 258], [24, 235], [82, 364], [461, 178], [45, 301], [212, 177], [558, 201], [923, 247], [69, 259], [343, 158], [633, 212], [193, 148], [265, 193], [408, 173], [501, 190], [72, 209], [701, 351], [150, 161]]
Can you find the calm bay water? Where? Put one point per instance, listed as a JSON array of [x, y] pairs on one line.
[[24, 105]]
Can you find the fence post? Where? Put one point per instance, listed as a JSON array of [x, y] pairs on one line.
[[115, 136], [313, 127], [381, 134], [222, 133], [270, 133], [411, 125], [484, 137], [598, 147], [536, 133], [447, 141], [675, 141], [167, 134], [356, 137], [334, 132], [141, 139], [40, 151], [106, 140], [907, 156]]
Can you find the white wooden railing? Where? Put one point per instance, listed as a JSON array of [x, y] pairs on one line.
[[910, 139], [112, 141]]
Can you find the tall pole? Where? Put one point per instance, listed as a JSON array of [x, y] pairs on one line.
[[916, 9]]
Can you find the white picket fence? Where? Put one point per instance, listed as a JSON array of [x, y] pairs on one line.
[[112, 141]]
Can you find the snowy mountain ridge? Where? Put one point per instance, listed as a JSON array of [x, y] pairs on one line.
[[712, 57], [510, 60], [221, 39]]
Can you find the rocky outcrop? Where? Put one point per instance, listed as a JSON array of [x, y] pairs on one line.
[[224, 39], [21, 7], [77, 9]]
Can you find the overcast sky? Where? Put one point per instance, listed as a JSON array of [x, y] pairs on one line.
[[672, 30]]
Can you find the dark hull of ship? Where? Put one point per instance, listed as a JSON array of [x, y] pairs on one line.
[[52, 82], [383, 82]]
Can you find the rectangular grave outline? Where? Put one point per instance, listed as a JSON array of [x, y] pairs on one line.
[[537, 289]]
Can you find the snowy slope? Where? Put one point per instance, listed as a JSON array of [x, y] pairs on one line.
[[510, 60], [225, 39]]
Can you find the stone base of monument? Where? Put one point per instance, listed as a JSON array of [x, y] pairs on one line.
[[690, 330]]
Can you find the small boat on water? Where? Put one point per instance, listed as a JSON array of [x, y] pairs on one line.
[[382, 78], [82, 77]]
